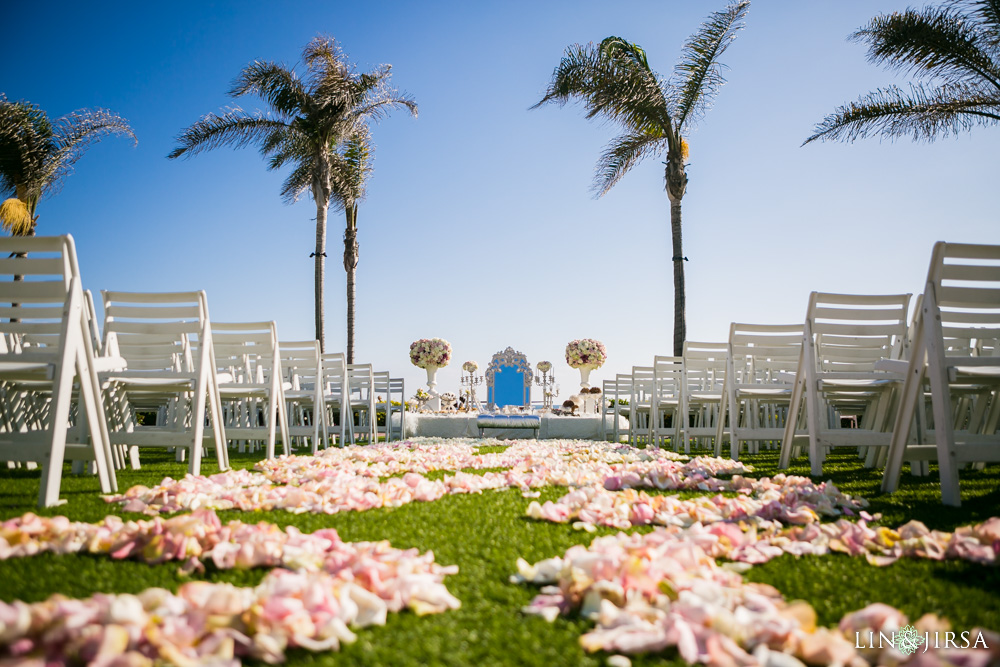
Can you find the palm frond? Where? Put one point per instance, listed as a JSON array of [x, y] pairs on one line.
[[351, 168], [74, 134], [698, 76], [275, 84], [988, 14], [299, 181], [617, 47], [330, 73], [612, 85], [378, 108], [922, 114], [932, 43], [289, 147], [235, 128], [15, 218], [621, 155], [375, 97], [26, 139]]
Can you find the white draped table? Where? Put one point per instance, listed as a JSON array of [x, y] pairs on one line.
[[463, 425]]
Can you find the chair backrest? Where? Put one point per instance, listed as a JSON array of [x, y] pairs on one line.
[[360, 380], [301, 363], [248, 351], [381, 384], [668, 373], [761, 352], [704, 365], [334, 372], [643, 384], [851, 332], [397, 386], [31, 308], [965, 280], [157, 330]]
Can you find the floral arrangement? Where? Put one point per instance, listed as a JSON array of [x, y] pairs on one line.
[[470, 367], [428, 352], [544, 366], [448, 398], [586, 352]]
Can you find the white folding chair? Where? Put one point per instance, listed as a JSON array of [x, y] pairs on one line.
[[380, 388], [760, 364], [166, 340], [250, 383], [360, 385], [609, 409], [45, 299], [961, 302], [640, 405], [302, 364], [844, 338], [668, 373], [335, 396], [701, 390], [396, 399]]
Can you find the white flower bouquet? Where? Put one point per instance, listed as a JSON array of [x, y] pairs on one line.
[[585, 353], [470, 367], [544, 366], [428, 352]]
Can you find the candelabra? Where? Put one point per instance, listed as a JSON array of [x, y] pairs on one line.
[[547, 382], [471, 381]]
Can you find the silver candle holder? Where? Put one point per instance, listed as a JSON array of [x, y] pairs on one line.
[[547, 382]]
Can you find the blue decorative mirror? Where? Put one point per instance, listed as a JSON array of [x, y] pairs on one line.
[[508, 380]]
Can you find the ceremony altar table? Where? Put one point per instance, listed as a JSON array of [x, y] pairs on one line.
[[463, 425]]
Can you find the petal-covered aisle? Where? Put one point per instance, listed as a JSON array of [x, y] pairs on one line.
[[643, 552]]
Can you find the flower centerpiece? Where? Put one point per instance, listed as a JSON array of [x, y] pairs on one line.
[[430, 354], [586, 354], [544, 366], [470, 367]]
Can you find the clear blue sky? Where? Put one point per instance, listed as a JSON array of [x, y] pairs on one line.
[[479, 226]]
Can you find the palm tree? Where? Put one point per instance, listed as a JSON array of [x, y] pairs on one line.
[[36, 153], [954, 52], [614, 81], [312, 119]]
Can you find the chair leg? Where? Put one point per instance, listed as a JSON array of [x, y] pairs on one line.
[[791, 420]]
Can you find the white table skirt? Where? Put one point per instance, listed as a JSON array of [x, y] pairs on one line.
[[463, 425]]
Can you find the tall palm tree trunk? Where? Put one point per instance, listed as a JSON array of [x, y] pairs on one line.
[[351, 256], [320, 259], [676, 185], [680, 320]]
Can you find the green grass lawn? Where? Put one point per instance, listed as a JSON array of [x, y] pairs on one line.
[[485, 534]]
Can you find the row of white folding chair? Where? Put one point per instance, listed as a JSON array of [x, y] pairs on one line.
[[39, 401], [844, 339], [353, 399], [954, 355], [761, 360], [166, 341]]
